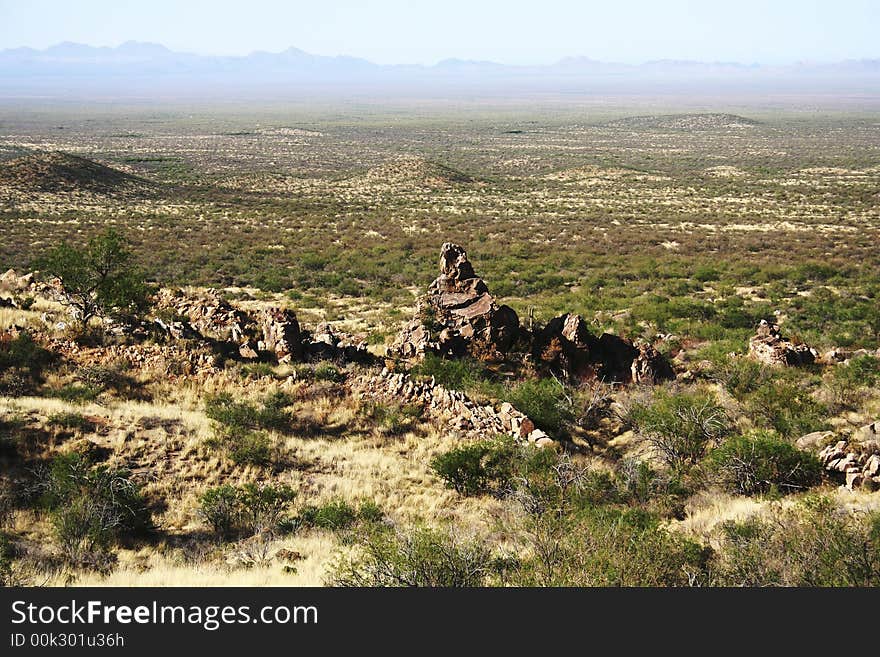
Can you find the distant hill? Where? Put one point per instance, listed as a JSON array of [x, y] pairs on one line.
[[139, 66], [410, 171], [710, 121], [62, 172]]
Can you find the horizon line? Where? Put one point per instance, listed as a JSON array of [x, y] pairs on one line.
[[451, 59]]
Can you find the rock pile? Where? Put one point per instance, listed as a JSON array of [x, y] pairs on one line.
[[455, 407], [567, 346], [768, 346], [273, 332], [856, 459], [458, 316]]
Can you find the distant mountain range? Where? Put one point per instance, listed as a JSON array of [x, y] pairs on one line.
[[134, 64]]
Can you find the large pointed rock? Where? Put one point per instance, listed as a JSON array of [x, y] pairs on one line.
[[458, 316]]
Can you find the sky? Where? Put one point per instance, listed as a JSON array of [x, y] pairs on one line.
[[507, 31]]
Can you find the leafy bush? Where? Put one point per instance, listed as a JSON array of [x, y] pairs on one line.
[[241, 426], [22, 363], [67, 420], [606, 546], [338, 514], [393, 419], [851, 383], [414, 557], [250, 448], [76, 393], [99, 279], [544, 402], [681, 426], [813, 544], [220, 508], [456, 374], [787, 408], [478, 467], [253, 508], [91, 506], [242, 415], [763, 462], [325, 371], [741, 376]]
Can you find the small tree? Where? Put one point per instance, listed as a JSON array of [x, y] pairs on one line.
[[98, 280]]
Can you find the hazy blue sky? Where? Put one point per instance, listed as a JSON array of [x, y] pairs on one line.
[[511, 31]]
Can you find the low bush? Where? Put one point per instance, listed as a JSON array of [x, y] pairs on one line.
[[544, 401], [478, 467], [414, 557], [252, 508], [762, 463], [243, 415], [68, 420], [787, 408], [682, 426], [338, 514], [813, 544], [325, 371], [91, 506]]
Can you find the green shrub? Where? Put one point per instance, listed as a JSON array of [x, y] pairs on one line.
[[67, 420], [91, 506], [22, 363], [337, 515], [606, 546], [682, 426], [76, 393], [220, 508], [787, 408], [455, 374], [99, 279], [478, 467], [544, 402], [249, 448], [741, 376], [253, 508], [852, 383], [243, 415], [763, 462], [393, 419], [413, 557]]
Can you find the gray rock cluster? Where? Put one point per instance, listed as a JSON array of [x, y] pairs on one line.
[[856, 460]]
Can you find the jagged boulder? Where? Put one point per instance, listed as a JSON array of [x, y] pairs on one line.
[[566, 345], [458, 315], [768, 346], [650, 366]]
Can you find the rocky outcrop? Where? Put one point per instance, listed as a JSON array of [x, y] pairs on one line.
[[452, 406], [210, 315], [10, 281], [328, 344], [269, 334], [768, 346], [855, 461], [458, 316], [567, 347]]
